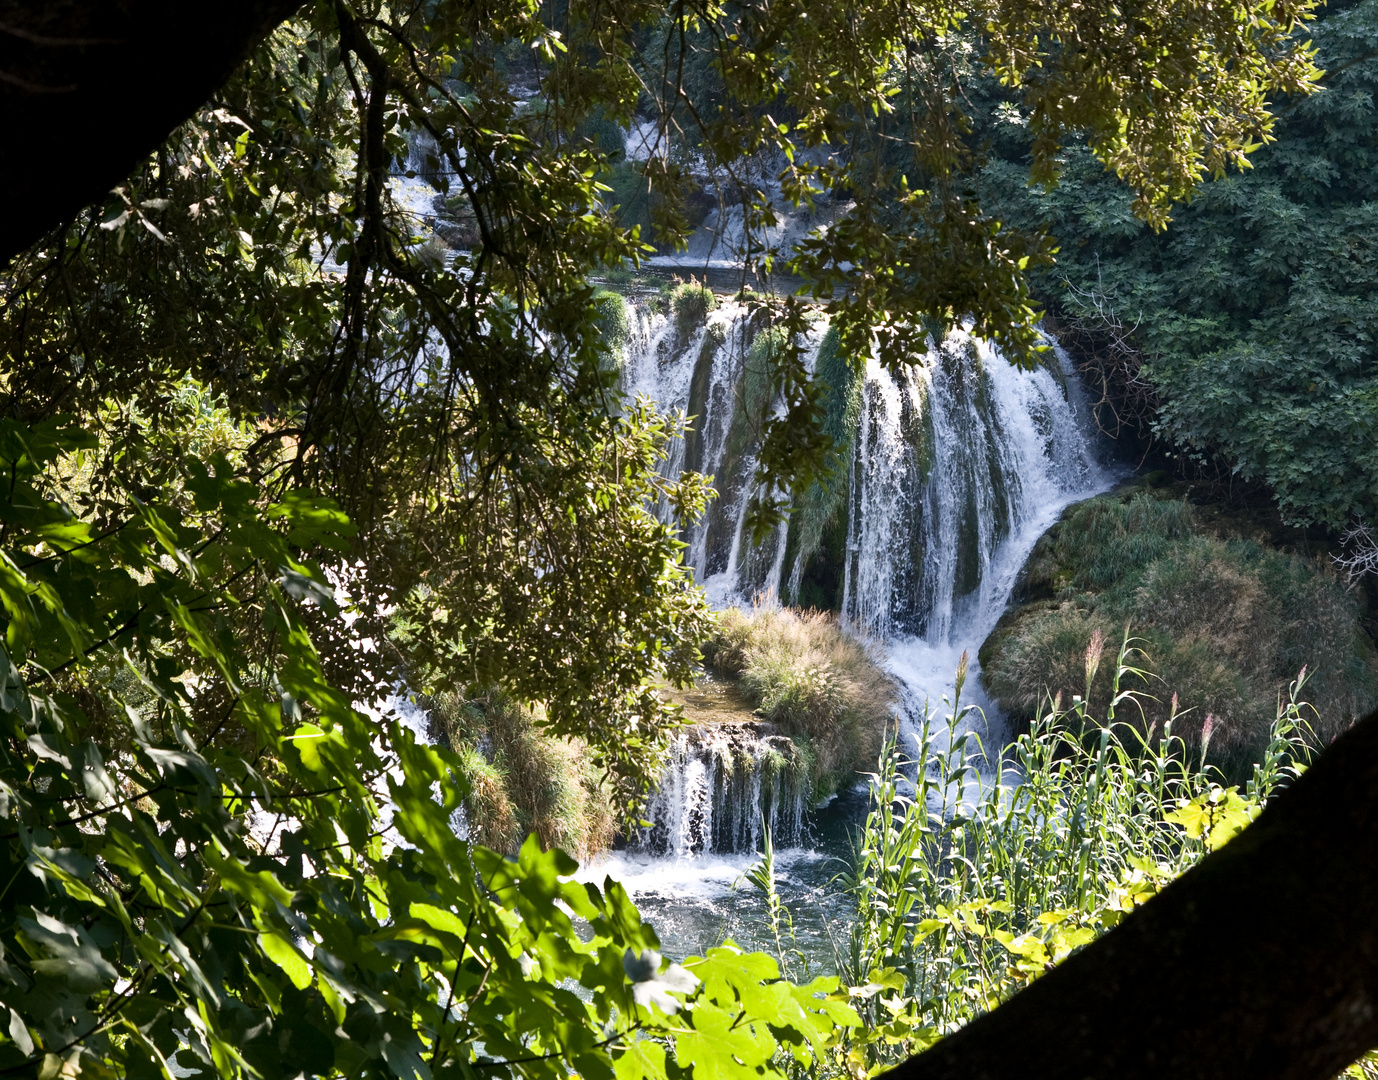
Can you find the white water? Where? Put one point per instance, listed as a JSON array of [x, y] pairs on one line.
[[661, 364], [723, 786], [959, 464], [959, 467]]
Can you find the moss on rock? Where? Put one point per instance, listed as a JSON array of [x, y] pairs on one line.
[[815, 551]]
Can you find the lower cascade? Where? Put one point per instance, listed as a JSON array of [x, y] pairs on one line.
[[723, 785], [948, 472]]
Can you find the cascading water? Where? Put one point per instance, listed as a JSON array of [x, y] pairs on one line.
[[707, 373], [957, 465], [723, 786]]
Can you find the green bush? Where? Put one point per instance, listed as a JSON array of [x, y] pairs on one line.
[[1253, 317], [691, 301], [817, 684], [614, 327], [523, 780], [1226, 623]]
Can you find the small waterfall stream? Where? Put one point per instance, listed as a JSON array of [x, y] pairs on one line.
[[956, 467], [725, 784]]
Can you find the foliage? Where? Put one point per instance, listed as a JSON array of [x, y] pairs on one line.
[[691, 301], [614, 326], [462, 412], [328, 106], [559, 584], [820, 685], [499, 489], [490, 818], [521, 779], [1225, 623], [761, 876], [968, 887], [631, 195], [1252, 317], [295, 900], [233, 864]]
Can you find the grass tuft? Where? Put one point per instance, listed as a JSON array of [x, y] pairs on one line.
[[817, 684], [691, 301]]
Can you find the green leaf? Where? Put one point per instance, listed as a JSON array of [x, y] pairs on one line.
[[72, 954], [642, 1059], [20, 1034], [285, 955]]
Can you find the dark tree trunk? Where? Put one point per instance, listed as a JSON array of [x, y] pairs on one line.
[[88, 88], [1262, 962]]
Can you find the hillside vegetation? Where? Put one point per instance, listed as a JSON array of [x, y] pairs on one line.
[[1245, 334], [1225, 622]]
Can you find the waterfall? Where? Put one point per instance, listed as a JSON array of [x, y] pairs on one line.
[[959, 466], [722, 786], [956, 465]]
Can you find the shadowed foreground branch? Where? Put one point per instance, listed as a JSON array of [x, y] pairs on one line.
[[87, 90], [1260, 962]]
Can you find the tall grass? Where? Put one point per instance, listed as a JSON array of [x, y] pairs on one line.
[[813, 681], [521, 779], [969, 885]]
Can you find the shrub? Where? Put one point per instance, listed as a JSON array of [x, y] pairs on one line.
[[691, 301], [488, 811], [816, 683], [614, 327], [1225, 624], [523, 780]]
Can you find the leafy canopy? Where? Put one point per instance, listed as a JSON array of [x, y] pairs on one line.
[[1254, 314]]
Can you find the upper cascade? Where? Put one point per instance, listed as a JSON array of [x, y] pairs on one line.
[[946, 473]]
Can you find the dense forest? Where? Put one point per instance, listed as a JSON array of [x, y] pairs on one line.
[[391, 531]]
